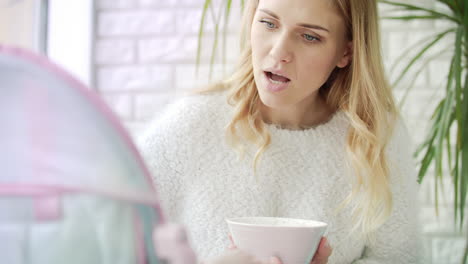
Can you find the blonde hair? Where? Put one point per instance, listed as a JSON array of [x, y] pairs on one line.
[[360, 90]]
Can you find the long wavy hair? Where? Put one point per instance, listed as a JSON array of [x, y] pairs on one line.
[[360, 90]]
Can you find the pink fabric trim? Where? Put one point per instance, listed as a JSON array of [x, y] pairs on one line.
[[140, 245], [47, 208], [46, 63], [39, 190]]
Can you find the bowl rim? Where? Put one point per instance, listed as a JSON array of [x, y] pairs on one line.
[[237, 221]]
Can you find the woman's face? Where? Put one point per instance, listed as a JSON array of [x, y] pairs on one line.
[[296, 44]]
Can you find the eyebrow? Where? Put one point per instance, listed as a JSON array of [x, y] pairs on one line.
[[300, 24]]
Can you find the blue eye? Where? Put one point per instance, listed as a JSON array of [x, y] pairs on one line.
[[267, 23], [310, 37]]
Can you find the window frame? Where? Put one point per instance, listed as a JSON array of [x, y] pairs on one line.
[[70, 36]]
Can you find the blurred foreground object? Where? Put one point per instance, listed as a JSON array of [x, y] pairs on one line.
[[73, 188]]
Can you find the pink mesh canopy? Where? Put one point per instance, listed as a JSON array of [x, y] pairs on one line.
[[56, 133], [69, 172]]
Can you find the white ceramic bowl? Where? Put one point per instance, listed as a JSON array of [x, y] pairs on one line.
[[294, 241]]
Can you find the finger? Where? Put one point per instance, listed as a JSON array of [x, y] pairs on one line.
[[323, 252], [232, 245], [275, 260]]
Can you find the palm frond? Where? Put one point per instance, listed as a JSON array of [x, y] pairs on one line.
[[449, 3], [459, 113], [420, 54], [452, 111], [410, 7], [412, 17], [206, 6], [424, 65], [225, 30], [406, 52]]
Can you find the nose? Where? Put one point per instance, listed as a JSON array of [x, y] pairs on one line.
[[281, 50]]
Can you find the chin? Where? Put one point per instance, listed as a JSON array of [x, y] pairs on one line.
[[272, 100]]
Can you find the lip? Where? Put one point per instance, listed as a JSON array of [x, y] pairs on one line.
[[275, 87], [277, 72]]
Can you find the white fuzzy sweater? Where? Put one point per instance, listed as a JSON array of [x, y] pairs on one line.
[[302, 174]]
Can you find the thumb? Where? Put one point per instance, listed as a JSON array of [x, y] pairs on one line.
[[275, 260], [232, 245], [323, 252]]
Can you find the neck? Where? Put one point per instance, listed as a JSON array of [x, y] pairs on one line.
[[310, 112]]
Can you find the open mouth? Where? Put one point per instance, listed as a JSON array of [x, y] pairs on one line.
[[277, 79]]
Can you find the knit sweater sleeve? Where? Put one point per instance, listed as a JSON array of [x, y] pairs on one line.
[[399, 239], [166, 150]]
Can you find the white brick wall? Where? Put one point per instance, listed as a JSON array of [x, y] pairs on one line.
[[145, 55]]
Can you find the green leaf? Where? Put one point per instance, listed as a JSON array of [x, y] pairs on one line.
[[429, 155], [465, 255], [456, 8], [448, 145], [438, 149], [449, 3], [213, 51], [216, 37], [416, 75], [456, 184], [413, 46], [426, 161], [446, 114], [450, 94], [432, 133], [419, 54], [206, 6], [411, 17], [464, 151], [429, 146], [227, 13], [409, 49], [459, 117], [228, 9], [460, 6], [410, 7]]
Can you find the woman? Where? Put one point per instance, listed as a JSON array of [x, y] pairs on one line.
[[313, 119]]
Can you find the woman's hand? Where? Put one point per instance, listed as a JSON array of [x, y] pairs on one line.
[[323, 252], [170, 242], [236, 256]]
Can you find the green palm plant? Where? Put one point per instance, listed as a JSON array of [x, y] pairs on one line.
[[209, 11], [451, 112], [440, 149]]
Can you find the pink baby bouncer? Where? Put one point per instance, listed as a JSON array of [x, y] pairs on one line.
[[73, 188]]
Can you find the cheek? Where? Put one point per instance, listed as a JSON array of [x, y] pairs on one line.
[[317, 68], [258, 42], [259, 37]]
